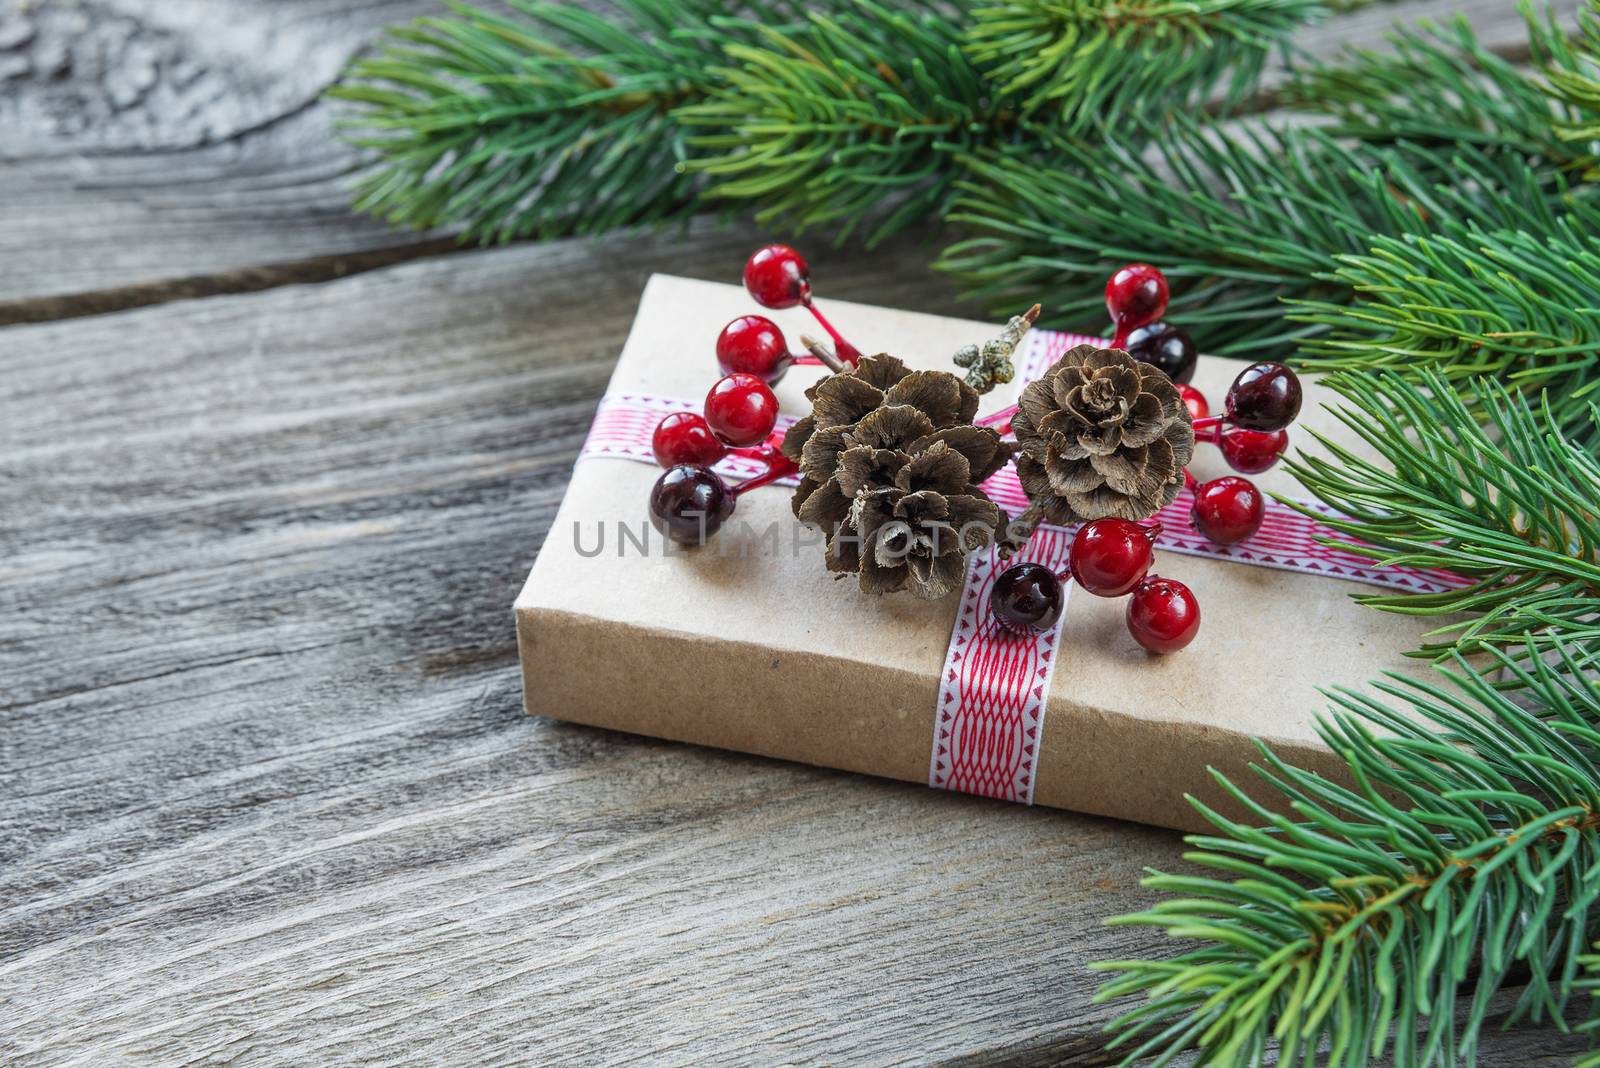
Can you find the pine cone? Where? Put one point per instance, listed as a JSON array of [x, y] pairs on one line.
[[890, 463], [1101, 434]]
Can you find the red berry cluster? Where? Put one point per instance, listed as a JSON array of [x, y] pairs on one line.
[[777, 277], [1108, 558], [1111, 557], [690, 501], [1263, 401], [1251, 434]]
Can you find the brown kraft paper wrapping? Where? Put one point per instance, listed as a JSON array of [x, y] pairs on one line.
[[763, 651]]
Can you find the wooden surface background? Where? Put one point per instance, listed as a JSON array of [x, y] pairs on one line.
[[266, 793]]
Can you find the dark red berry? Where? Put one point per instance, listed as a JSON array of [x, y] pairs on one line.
[[1195, 401], [777, 277], [1026, 597], [1265, 396], [688, 504], [1136, 296], [1163, 615], [1165, 346], [1110, 556], [753, 345], [1228, 509], [741, 410], [1253, 451], [685, 438]]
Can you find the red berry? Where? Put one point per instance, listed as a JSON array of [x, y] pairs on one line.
[[1265, 396], [1026, 597], [741, 410], [1163, 615], [688, 504], [1195, 401], [1136, 296], [685, 438], [753, 345], [777, 277], [1110, 556], [1253, 451], [1165, 346], [1228, 509]]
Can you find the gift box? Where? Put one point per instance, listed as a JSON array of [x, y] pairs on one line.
[[748, 643]]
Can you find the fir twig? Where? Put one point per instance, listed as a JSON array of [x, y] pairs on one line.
[[554, 119], [1521, 305], [1441, 137], [555, 122], [1575, 85], [854, 112], [1240, 218], [1088, 64], [1467, 844], [1440, 86], [1514, 506]]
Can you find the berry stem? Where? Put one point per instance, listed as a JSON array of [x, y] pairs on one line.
[[1210, 422], [1190, 483], [848, 352], [778, 466], [823, 354]]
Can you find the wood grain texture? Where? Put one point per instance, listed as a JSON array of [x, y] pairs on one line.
[[158, 149], [266, 794], [268, 797], [153, 141]]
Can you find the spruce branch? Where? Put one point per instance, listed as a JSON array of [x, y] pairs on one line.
[[1522, 305], [552, 122], [1244, 215], [1575, 85], [1440, 86], [1467, 843], [1240, 216], [556, 120], [1089, 64], [830, 122], [1513, 506]]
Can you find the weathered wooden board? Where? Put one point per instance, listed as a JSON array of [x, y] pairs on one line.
[[268, 795], [157, 149], [159, 141]]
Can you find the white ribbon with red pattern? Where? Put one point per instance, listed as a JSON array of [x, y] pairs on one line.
[[992, 692]]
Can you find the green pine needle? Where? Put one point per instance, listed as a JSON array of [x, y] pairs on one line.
[[1442, 137], [1090, 64], [1465, 845], [843, 119], [557, 120], [553, 123], [1438, 85], [1590, 983], [1520, 305], [1514, 506], [1240, 218], [1575, 86]]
